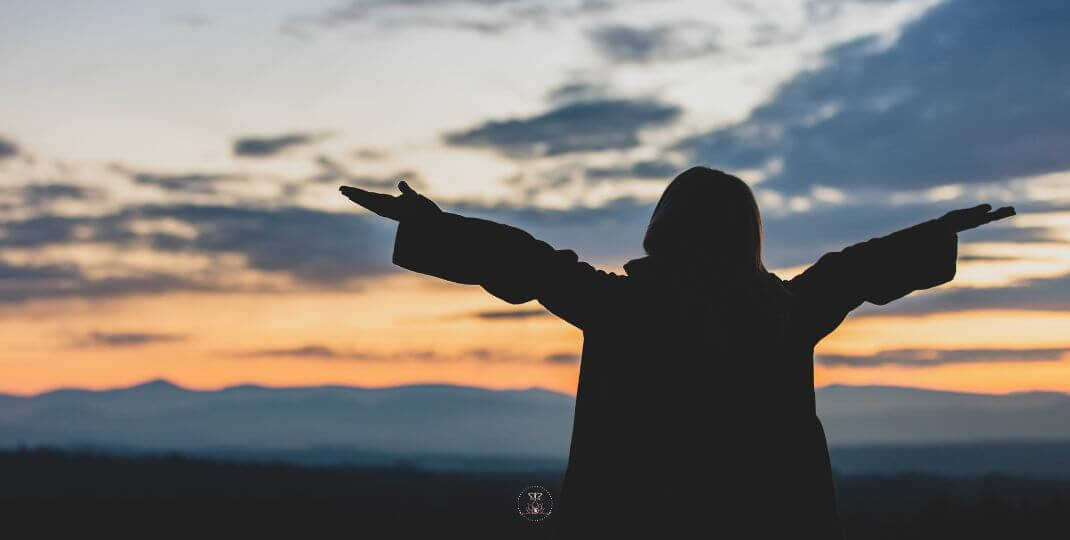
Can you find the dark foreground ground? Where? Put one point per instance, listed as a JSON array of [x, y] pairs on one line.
[[46, 494]]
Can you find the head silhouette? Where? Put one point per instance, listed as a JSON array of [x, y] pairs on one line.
[[707, 216]]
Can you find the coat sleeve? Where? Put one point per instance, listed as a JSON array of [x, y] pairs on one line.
[[878, 271], [509, 263]]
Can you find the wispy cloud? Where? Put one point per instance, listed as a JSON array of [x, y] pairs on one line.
[[479, 16], [562, 358], [263, 146], [512, 314], [935, 357], [125, 339], [611, 124], [310, 351], [23, 282], [663, 42], [323, 352], [43, 194], [190, 183]]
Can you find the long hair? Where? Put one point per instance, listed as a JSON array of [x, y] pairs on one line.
[[707, 216]]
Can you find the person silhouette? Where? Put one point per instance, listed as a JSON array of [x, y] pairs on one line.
[[695, 412]]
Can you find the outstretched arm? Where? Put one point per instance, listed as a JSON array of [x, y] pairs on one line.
[[506, 261], [887, 268]]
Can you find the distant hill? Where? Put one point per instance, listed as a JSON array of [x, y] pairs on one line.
[[854, 415], [365, 424], [460, 427]]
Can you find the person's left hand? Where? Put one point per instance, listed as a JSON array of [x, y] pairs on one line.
[[407, 205], [968, 218]]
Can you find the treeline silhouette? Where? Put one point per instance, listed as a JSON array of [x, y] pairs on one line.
[[60, 494]]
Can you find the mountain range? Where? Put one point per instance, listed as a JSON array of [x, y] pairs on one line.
[[456, 425]]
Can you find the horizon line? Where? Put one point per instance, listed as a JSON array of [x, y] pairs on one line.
[[163, 381]]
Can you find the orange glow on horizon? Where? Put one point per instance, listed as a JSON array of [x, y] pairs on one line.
[[409, 329]]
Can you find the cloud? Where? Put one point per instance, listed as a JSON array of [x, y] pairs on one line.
[[323, 352], [576, 91], [43, 194], [189, 183], [561, 358], [645, 170], [511, 314], [316, 351], [971, 92], [310, 351], [479, 16], [937, 357], [628, 44], [316, 248], [320, 249], [7, 148], [269, 146], [611, 124], [126, 339], [20, 283]]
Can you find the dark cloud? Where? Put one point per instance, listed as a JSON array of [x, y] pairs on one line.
[[190, 183], [972, 92], [7, 148], [511, 314], [42, 194], [575, 127], [310, 351], [937, 357], [268, 146], [628, 44], [322, 352], [46, 229], [318, 248], [315, 351], [11, 273], [645, 170], [19, 283], [561, 358], [126, 339]]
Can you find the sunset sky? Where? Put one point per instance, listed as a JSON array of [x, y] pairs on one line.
[[169, 174]]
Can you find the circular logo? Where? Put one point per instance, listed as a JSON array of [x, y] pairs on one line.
[[535, 503]]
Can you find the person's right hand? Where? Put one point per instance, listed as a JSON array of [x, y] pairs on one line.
[[968, 218], [407, 205]]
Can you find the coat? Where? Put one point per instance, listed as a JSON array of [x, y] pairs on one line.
[[695, 414]]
